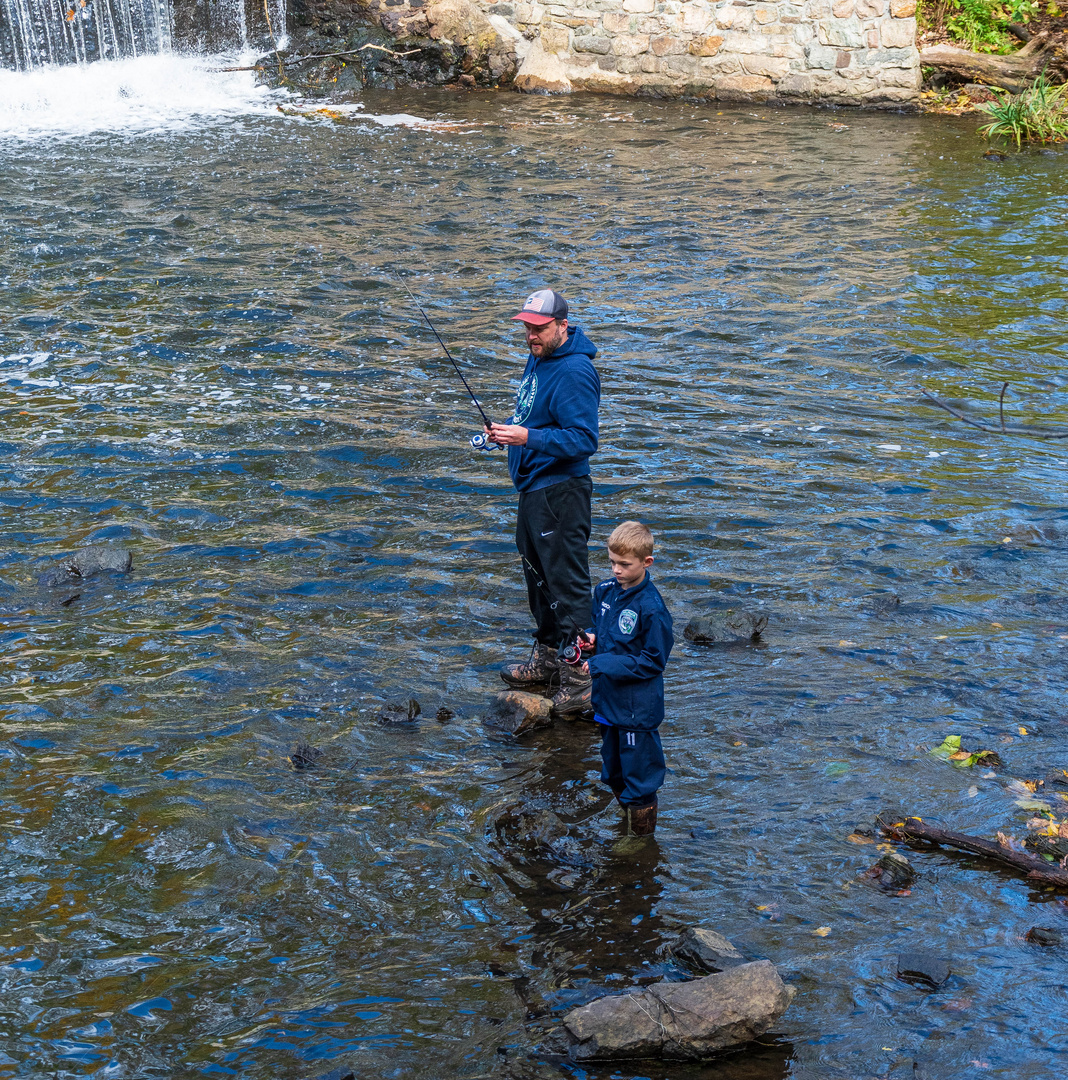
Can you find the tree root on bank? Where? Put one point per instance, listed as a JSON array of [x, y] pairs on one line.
[[1015, 72], [352, 55], [912, 830]]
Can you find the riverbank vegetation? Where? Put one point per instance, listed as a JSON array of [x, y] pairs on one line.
[[1007, 58], [1039, 114], [991, 26]]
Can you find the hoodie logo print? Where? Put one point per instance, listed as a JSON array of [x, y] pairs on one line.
[[524, 401], [628, 619]]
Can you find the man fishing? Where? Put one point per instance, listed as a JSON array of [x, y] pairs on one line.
[[550, 440]]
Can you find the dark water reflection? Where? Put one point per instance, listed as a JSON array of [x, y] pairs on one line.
[[206, 360]]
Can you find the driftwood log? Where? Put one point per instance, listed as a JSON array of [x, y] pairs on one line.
[[911, 830], [1044, 52]]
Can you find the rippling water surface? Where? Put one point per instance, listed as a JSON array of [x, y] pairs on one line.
[[205, 358]]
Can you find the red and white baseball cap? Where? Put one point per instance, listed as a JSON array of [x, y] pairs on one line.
[[542, 307]]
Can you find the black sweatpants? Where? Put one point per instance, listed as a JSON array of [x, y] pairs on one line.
[[552, 532]]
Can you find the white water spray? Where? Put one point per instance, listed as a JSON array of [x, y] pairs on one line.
[[150, 94]]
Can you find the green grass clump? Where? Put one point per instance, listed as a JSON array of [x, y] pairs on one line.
[[1039, 114], [978, 25]]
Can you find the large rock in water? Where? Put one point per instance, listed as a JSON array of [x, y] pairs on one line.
[[87, 562], [542, 73], [515, 712], [489, 43], [681, 1021], [726, 627]]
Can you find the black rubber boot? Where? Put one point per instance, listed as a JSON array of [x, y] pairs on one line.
[[540, 669]]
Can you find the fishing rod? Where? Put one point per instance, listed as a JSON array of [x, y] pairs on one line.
[[570, 654], [479, 441]]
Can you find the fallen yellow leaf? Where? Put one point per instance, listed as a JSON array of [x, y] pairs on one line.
[[998, 625], [821, 931], [1022, 730], [844, 643]]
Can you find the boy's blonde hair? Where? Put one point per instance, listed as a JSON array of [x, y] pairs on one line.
[[631, 538]]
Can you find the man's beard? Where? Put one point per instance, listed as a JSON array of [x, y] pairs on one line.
[[548, 350]]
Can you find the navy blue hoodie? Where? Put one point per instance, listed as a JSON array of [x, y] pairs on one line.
[[634, 639], [557, 402]]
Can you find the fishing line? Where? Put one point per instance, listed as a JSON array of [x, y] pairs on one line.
[[478, 441], [571, 654]]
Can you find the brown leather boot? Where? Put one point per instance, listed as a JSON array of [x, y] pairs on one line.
[[642, 819], [540, 669]]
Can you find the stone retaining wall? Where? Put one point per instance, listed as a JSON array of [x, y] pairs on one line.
[[854, 52], [849, 51]]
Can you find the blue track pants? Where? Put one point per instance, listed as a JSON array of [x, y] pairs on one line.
[[634, 766]]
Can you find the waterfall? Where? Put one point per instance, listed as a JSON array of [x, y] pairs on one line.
[[41, 33]]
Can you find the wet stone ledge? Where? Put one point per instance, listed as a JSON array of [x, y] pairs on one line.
[[851, 52]]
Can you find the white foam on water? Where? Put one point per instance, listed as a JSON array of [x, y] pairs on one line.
[[29, 361], [160, 93]]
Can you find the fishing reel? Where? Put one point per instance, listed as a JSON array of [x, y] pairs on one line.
[[482, 441], [576, 652]]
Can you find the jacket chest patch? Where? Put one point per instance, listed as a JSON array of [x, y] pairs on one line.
[[524, 401], [628, 619]]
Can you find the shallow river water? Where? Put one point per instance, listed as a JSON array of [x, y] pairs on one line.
[[205, 358]]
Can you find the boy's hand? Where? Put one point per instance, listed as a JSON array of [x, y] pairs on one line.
[[587, 636], [584, 667]]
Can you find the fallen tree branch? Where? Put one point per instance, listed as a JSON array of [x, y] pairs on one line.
[[1004, 429], [1015, 72], [350, 54], [911, 830]]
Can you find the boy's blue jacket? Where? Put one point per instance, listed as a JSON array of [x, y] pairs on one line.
[[557, 401], [634, 639]]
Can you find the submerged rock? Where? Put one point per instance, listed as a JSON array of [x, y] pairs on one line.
[[706, 950], [87, 562], [892, 873], [884, 603], [532, 828], [444, 714], [305, 756], [681, 1021], [1044, 935], [516, 712], [725, 628], [399, 711], [923, 968]]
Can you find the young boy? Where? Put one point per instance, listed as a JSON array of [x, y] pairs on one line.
[[632, 634]]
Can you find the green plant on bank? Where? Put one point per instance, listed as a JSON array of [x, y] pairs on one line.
[[1039, 114], [978, 24]]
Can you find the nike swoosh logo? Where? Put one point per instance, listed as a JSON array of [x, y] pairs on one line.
[[549, 533]]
